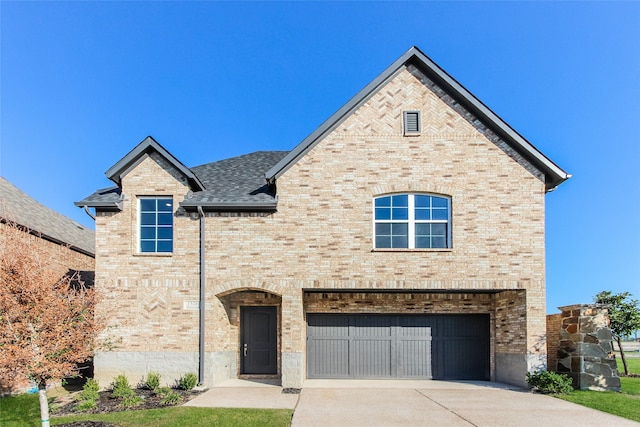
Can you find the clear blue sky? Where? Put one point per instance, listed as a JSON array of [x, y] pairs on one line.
[[83, 82]]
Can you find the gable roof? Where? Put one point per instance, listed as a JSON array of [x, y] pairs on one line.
[[554, 175], [148, 145], [17, 206], [229, 185]]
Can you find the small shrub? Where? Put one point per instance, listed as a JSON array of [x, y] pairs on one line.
[[86, 405], [170, 398], [153, 381], [163, 391], [188, 381], [548, 382], [121, 387], [131, 400], [90, 390]]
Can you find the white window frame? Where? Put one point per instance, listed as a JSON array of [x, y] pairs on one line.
[[157, 225], [411, 221]]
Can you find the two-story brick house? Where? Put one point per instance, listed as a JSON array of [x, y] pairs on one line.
[[404, 238]]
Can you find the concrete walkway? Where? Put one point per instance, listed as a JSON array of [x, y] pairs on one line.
[[408, 403], [263, 394]]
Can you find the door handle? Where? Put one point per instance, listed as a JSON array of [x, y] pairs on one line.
[[245, 350]]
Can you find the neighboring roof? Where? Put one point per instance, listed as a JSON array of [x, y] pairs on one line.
[[554, 175], [148, 145], [236, 183], [17, 206]]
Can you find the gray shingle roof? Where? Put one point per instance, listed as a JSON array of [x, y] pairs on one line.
[[106, 198], [17, 206], [236, 182]]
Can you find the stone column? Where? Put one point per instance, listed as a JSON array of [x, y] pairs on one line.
[[585, 351]]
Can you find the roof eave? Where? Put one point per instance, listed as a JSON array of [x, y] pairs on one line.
[[105, 206], [231, 206]]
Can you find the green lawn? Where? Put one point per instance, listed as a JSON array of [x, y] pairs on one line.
[[625, 404], [23, 411], [632, 362]]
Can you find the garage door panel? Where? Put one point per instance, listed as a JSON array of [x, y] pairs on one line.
[[414, 359], [398, 346], [328, 358], [371, 358]]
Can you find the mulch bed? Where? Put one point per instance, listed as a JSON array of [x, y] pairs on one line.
[[108, 403]]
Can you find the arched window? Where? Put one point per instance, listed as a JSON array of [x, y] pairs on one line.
[[412, 221]]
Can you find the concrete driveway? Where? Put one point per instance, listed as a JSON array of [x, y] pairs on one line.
[[437, 403], [388, 403]]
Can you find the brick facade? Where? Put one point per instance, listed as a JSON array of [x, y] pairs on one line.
[[321, 239]]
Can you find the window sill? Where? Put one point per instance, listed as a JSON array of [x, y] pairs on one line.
[[153, 254], [412, 250]]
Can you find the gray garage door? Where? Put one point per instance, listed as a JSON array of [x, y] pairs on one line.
[[398, 346]]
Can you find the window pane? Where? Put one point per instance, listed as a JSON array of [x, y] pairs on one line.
[[147, 246], [165, 219], [383, 213], [148, 219], [438, 242], [156, 225], [439, 202], [442, 214], [400, 213], [383, 229], [383, 242], [423, 214], [422, 201], [165, 205], [383, 201], [165, 233], [423, 229], [165, 245], [423, 242], [400, 200], [147, 232], [399, 242], [400, 229], [439, 229], [148, 205]]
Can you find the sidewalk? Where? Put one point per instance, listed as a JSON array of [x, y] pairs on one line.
[[245, 394]]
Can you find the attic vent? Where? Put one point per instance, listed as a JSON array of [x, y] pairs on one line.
[[411, 122]]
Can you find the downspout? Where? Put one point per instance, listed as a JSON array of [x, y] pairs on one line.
[[202, 298], [86, 209]]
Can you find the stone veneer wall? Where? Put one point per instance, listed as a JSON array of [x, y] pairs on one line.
[[585, 350]]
